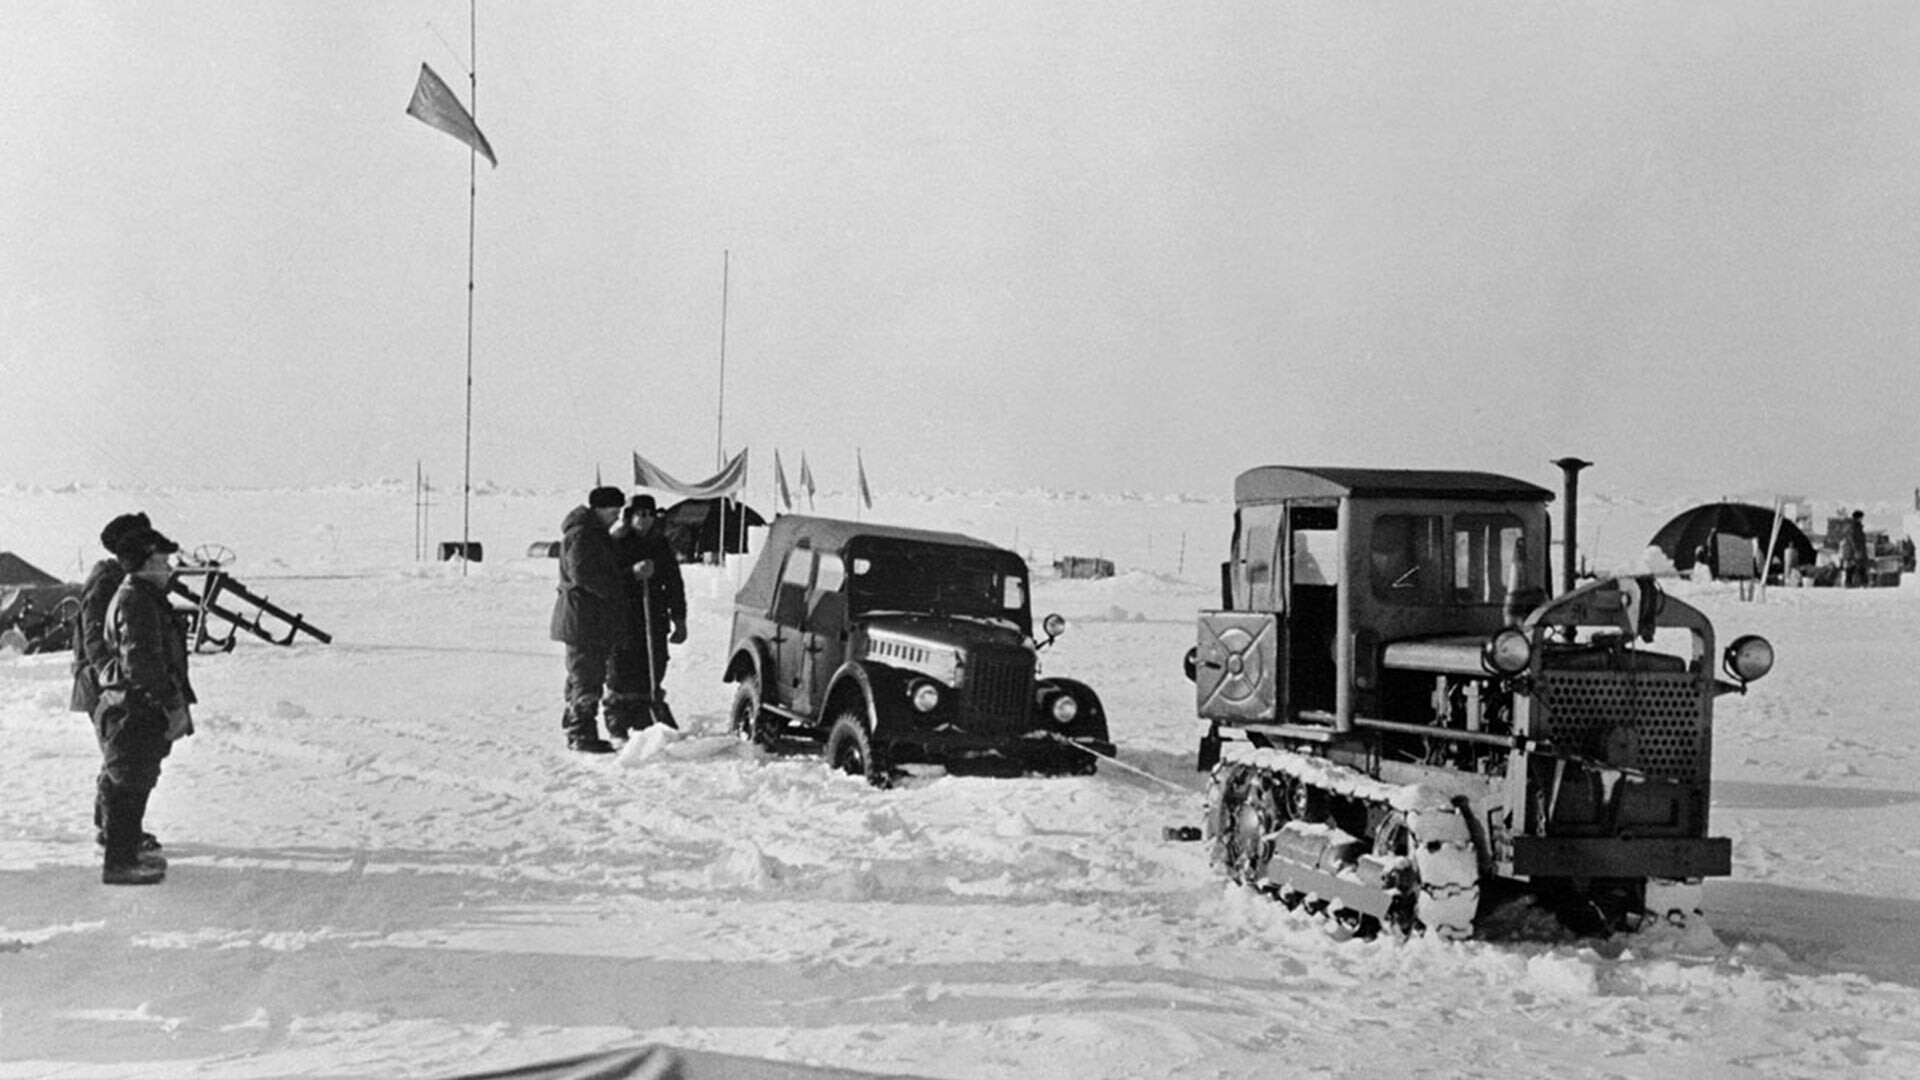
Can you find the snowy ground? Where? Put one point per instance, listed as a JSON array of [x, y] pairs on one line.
[[385, 864]]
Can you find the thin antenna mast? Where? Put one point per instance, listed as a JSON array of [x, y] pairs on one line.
[[473, 188], [720, 422]]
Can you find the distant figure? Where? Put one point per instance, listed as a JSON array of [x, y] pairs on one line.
[[144, 705], [590, 614], [90, 651], [1855, 556], [656, 616]]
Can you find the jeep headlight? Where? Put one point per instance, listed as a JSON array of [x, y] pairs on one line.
[[925, 695], [1749, 657], [1064, 709], [1507, 652]]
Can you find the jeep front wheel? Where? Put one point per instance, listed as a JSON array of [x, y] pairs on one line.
[[850, 749], [748, 720]]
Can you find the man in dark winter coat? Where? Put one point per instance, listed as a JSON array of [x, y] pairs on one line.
[[90, 651], [1861, 564], [590, 614], [144, 699], [656, 615]]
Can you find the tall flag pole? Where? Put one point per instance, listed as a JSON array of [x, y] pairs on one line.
[[436, 105], [720, 421], [473, 198]]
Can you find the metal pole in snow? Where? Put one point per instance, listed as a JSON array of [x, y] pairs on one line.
[[473, 188]]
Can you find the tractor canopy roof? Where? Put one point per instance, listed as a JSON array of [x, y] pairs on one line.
[[1277, 483]]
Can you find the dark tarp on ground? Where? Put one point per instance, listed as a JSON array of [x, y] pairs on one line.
[[700, 527], [1681, 537], [663, 1063]]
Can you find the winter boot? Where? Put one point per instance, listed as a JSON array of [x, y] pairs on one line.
[[124, 864], [137, 874], [589, 744]]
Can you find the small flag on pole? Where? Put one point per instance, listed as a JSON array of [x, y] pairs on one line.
[[436, 106], [806, 479], [780, 482], [866, 495]]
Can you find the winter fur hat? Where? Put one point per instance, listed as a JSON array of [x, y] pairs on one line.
[[640, 503], [139, 544], [122, 527], [606, 498]]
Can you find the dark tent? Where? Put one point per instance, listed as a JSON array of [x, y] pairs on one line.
[[1683, 537], [15, 570], [700, 527], [35, 603]]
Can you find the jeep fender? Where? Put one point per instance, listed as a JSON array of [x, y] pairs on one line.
[[1091, 723], [856, 680], [751, 658]]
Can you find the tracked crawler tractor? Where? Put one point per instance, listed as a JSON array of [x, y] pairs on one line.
[[1400, 714]]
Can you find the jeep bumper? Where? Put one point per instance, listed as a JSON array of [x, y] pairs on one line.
[[908, 745]]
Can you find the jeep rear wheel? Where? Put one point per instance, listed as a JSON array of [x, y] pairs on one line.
[[850, 749], [748, 720]]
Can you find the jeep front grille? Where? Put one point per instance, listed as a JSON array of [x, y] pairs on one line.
[[1664, 709], [998, 692]]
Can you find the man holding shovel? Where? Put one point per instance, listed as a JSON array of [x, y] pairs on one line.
[[657, 608]]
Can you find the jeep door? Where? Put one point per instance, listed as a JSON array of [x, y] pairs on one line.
[[789, 635], [824, 632]]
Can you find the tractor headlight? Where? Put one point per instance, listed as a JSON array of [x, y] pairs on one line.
[[1748, 658], [1507, 652], [1064, 709], [925, 695]]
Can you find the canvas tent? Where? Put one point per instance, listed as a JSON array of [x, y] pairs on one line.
[[30, 603], [700, 527], [1682, 538]]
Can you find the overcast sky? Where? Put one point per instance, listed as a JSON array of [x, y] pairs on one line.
[[1100, 246]]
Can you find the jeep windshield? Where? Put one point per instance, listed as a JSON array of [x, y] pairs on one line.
[[982, 584]]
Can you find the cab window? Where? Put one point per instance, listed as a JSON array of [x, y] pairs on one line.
[[828, 611], [832, 572], [1258, 577], [1014, 594], [1489, 558], [790, 596], [1406, 559]]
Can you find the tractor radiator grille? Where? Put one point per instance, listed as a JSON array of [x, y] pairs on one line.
[[1664, 713], [998, 692]]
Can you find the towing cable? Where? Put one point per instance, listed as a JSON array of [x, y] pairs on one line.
[[1111, 760]]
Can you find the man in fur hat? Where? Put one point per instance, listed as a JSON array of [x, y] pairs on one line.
[[656, 617], [90, 652], [590, 613], [144, 700]]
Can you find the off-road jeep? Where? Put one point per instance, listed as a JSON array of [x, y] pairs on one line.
[[889, 646]]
